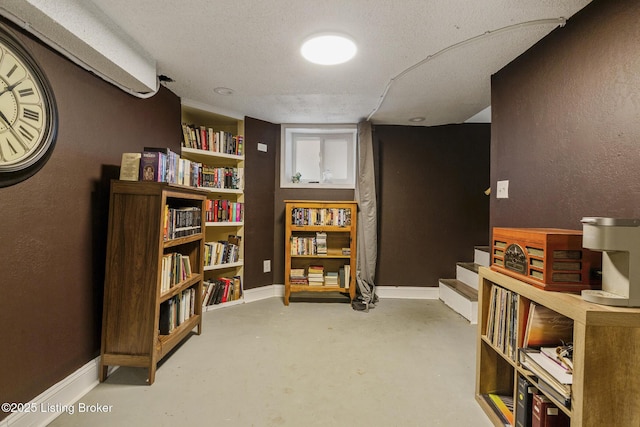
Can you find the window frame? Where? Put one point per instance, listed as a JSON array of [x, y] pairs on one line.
[[287, 151]]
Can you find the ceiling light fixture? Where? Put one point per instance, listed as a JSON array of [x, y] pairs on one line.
[[417, 119], [328, 49], [223, 91]]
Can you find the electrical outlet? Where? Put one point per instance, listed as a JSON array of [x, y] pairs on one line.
[[266, 266], [502, 190]]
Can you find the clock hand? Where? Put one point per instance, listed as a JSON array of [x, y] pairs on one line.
[[13, 131], [4, 119], [9, 88]]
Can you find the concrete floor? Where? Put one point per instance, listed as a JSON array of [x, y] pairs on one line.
[[404, 363]]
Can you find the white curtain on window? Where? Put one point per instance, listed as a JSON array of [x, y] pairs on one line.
[[365, 194]]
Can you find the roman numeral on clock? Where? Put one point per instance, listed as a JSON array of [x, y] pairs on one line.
[[12, 70], [30, 114], [25, 92], [25, 133], [13, 149]]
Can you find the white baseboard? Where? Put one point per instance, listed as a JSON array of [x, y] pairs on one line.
[[58, 399], [407, 292], [263, 292]]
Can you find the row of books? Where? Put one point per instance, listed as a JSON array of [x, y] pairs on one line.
[[159, 165], [222, 251], [163, 165], [182, 222], [176, 310], [221, 290], [339, 217], [219, 177], [208, 139], [315, 275], [309, 245], [502, 320], [534, 409], [175, 268], [218, 210]]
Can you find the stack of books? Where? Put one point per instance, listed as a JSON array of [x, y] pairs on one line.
[[554, 378], [331, 278], [316, 275], [297, 277]]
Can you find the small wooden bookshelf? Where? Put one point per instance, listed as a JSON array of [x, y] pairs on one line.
[[605, 357], [320, 241], [144, 317]]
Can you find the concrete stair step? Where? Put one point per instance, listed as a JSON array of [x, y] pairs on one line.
[[460, 297]]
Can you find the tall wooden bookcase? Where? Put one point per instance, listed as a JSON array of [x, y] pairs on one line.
[[137, 298], [606, 341], [303, 221], [215, 231]]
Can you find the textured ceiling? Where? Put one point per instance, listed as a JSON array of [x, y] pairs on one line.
[[416, 57]]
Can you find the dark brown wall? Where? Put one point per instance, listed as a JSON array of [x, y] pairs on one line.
[[259, 200], [433, 209], [53, 226], [566, 123]]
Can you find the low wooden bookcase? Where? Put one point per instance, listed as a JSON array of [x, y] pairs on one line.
[[606, 343], [138, 325], [336, 220]]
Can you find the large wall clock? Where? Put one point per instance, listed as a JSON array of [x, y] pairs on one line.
[[28, 113]]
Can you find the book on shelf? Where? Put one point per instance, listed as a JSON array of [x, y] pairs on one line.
[[547, 371], [347, 276], [222, 210], [561, 355], [546, 414], [182, 222], [331, 278], [130, 166], [176, 310], [297, 273], [546, 328], [502, 406], [209, 139], [222, 251], [174, 268], [338, 217], [151, 166], [321, 243], [502, 317], [524, 402], [221, 290]]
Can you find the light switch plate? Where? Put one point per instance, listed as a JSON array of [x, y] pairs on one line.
[[262, 147], [502, 190]]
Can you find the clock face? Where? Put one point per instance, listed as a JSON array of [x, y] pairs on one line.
[[28, 115]]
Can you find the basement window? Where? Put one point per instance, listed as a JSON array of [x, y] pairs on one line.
[[318, 156]]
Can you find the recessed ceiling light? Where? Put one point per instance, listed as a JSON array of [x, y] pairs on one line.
[[223, 91], [417, 119], [328, 49]]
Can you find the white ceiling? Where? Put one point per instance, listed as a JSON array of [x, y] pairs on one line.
[[428, 58]]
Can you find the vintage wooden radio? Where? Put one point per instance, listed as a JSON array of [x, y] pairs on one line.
[[552, 259]]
